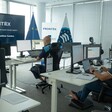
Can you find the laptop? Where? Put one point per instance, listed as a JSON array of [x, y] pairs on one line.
[[34, 53], [86, 65], [87, 75]]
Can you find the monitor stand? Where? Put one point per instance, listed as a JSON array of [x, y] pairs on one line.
[[21, 55], [76, 71]]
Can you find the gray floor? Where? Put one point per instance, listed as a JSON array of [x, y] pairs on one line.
[[26, 81]]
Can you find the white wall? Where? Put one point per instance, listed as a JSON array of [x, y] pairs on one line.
[[107, 27], [58, 15], [85, 20]]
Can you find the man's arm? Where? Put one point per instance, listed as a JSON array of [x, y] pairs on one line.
[[101, 76], [38, 58]]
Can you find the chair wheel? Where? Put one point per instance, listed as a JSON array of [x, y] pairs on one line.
[[59, 91], [37, 86], [42, 92], [61, 85]]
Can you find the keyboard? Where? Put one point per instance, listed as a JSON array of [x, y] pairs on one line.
[[85, 76], [7, 59], [28, 59], [14, 98]]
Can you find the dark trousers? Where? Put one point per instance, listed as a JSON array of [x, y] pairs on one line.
[[93, 86], [37, 69]]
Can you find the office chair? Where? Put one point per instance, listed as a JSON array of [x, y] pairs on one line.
[[104, 97], [56, 53]]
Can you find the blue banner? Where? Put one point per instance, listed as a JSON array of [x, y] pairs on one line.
[[33, 31], [65, 34]]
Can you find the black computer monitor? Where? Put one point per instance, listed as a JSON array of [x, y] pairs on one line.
[[7, 49], [76, 55], [67, 46], [23, 45], [92, 51], [3, 77]]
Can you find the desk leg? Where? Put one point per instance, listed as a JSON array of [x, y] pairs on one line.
[[10, 76], [54, 96], [17, 89]]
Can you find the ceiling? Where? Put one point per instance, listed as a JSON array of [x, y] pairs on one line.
[[49, 1]]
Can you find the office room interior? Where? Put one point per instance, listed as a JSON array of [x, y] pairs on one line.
[[86, 18]]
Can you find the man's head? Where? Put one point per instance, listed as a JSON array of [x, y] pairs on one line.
[[47, 40]]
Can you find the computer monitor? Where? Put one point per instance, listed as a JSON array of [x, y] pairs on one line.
[[67, 46], [7, 49], [23, 45], [76, 55], [92, 51], [37, 44], [3, 77]]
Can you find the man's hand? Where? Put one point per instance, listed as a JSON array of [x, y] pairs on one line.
[[37, 58], [104, 68], [92, 70]]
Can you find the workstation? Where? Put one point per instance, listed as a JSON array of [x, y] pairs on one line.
[[84, 20]]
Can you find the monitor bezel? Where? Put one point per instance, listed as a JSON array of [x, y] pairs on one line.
[[70, 45], [25, 49], [72, 63], [90, 46]]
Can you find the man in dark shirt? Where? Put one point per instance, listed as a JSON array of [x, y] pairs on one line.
[[106, 75], [44, 54]]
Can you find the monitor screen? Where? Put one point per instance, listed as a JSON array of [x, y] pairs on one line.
[[77, 53], [37, 44], [23, 45], [67, 46], [92, 51], [12, 28], [7, 49]]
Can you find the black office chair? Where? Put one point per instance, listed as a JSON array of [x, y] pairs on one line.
[[56, 54], [103, 96]]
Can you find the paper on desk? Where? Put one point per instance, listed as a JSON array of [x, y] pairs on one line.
[[85, 77]]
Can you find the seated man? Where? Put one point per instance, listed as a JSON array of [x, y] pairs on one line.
[[106, 75], [44, 54], [48, 50]]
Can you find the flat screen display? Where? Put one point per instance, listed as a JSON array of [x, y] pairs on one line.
[[12, 28], [23, 45], [67, 46], [92, 51], [77, 53], [37, 44]]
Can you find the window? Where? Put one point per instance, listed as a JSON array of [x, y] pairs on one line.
[[21, 9]]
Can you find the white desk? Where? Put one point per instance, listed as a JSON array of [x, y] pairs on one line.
[[12, 74], [61, 75], [7, 107], [12, 71]]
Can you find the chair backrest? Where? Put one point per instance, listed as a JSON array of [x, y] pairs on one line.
[[56, 53]]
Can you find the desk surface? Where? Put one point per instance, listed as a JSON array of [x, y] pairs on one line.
[[20, 61], [7, 107], [70, 78]]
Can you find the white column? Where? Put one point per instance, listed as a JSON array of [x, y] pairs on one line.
[[41, 12], [0, 6]]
